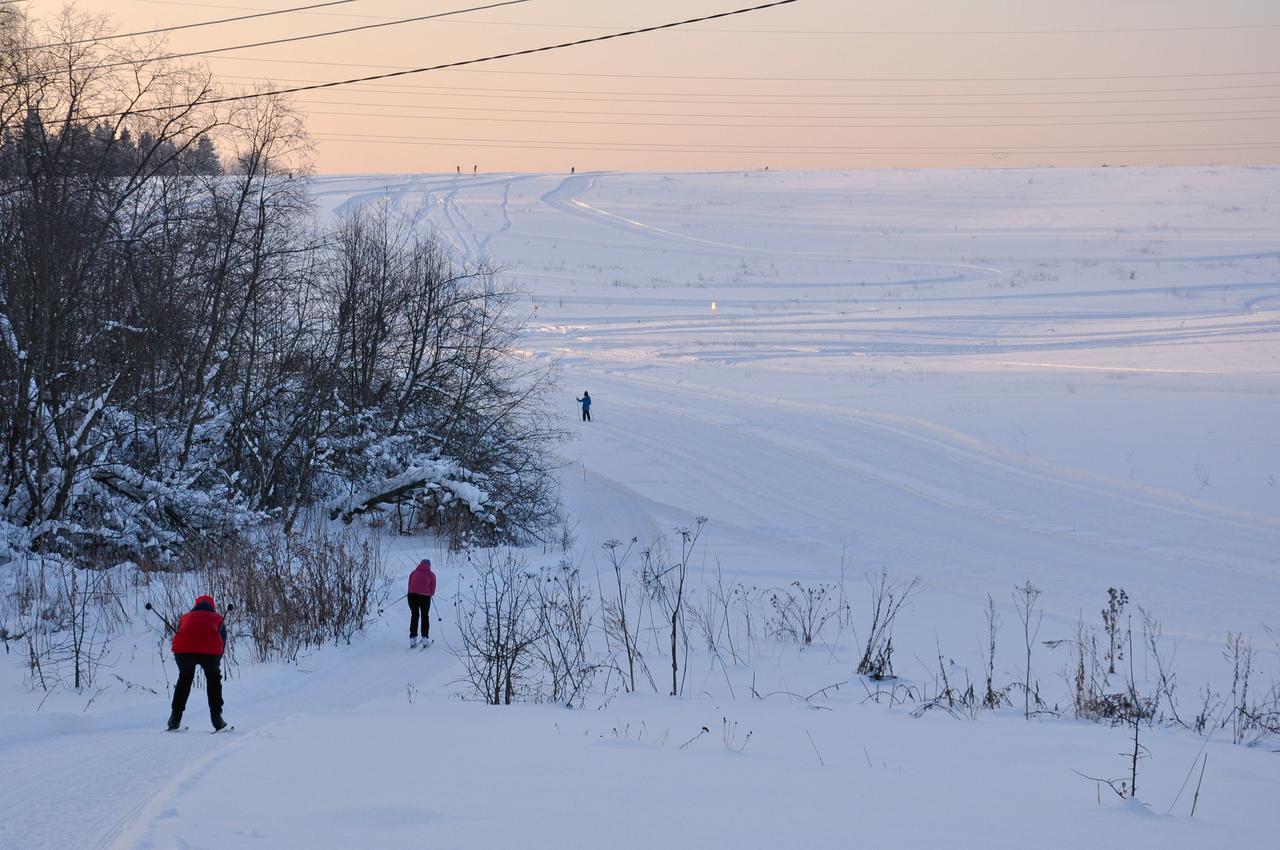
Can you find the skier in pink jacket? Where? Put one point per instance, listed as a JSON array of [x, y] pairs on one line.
[[422, 586]]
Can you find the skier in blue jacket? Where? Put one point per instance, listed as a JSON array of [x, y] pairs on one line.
[[585, 401]]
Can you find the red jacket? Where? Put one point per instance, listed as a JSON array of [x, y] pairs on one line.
[[200, 630], [422, 580]]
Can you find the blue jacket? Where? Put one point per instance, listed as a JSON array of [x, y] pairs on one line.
[[585, 401]]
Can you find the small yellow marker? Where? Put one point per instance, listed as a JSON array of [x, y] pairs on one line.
[[713, 306]]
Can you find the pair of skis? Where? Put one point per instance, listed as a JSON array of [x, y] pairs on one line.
[[214, 732]]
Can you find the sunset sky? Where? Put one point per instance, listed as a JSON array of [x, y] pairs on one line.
[[818, 84]]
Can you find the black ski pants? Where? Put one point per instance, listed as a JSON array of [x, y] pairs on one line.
[[419, 603], [586, 414], [212, 667]]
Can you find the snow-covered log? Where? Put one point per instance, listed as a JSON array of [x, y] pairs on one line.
[[438, 477]]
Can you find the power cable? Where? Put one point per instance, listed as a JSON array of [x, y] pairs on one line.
[[688, 77], [468, 140], [176, 27], [290, 39], [814, 104], [460, 63], [519, 144], [1274, 115], [1082, 31], [770, 116], [792, 97]]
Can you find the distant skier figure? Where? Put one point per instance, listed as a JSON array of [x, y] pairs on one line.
[[573, 169], [585, 401], [199, 641], [422, 586]]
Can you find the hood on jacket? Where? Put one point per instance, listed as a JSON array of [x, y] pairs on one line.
[[424, 564], [204, 603]]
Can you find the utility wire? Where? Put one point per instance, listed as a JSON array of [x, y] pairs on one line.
[[876, 33], [811, 104], [772, 115], [458, 64], [773, 150], [762, 147], [687, 77], [771, 103], [793, 97], [175, 28], [1273, 115], [1092, 31], [287, 40]]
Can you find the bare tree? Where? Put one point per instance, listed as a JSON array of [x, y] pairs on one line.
[[182, 355]]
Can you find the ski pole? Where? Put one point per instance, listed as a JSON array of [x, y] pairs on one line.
[[389, 604], [162, 617]]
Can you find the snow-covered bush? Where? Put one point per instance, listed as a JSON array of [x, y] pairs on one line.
[[291, 592], [61, 618], [183, 356]]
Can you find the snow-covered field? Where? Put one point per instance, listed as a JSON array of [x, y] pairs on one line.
[[978, 378]]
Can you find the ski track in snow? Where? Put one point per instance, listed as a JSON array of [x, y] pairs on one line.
[[126, 779], [747, 412], [944, 478]]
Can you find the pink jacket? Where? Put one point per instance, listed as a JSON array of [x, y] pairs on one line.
[[422, 580]]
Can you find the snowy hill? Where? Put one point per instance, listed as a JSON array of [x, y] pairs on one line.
[[1067, 377]]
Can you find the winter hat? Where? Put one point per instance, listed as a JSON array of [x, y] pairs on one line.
[[206, 598], [426, 562]]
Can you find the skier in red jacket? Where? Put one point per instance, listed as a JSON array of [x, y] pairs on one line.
[[199, 642], [422, 586]]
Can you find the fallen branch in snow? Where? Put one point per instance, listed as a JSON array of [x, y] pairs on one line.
[[815, 748], [128, 685], [704, 731], [411, 480], [1110, 783]]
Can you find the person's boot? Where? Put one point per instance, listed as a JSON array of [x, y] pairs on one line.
[[413, 643], [175, 721], [218, 723]]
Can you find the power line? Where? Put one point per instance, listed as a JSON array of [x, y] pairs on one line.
[[468, 140], [623, 147], [175, 28], [688, 77], [814, 104], [889, 79], [1005, 32], [1273, 115], [460, 63], [876, 33], [792, 97], [290, 39], [770, 116]]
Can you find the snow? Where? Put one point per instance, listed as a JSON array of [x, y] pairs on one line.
[[974, 377]]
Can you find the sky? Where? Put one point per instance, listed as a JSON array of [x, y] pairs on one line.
[[816, 84]]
